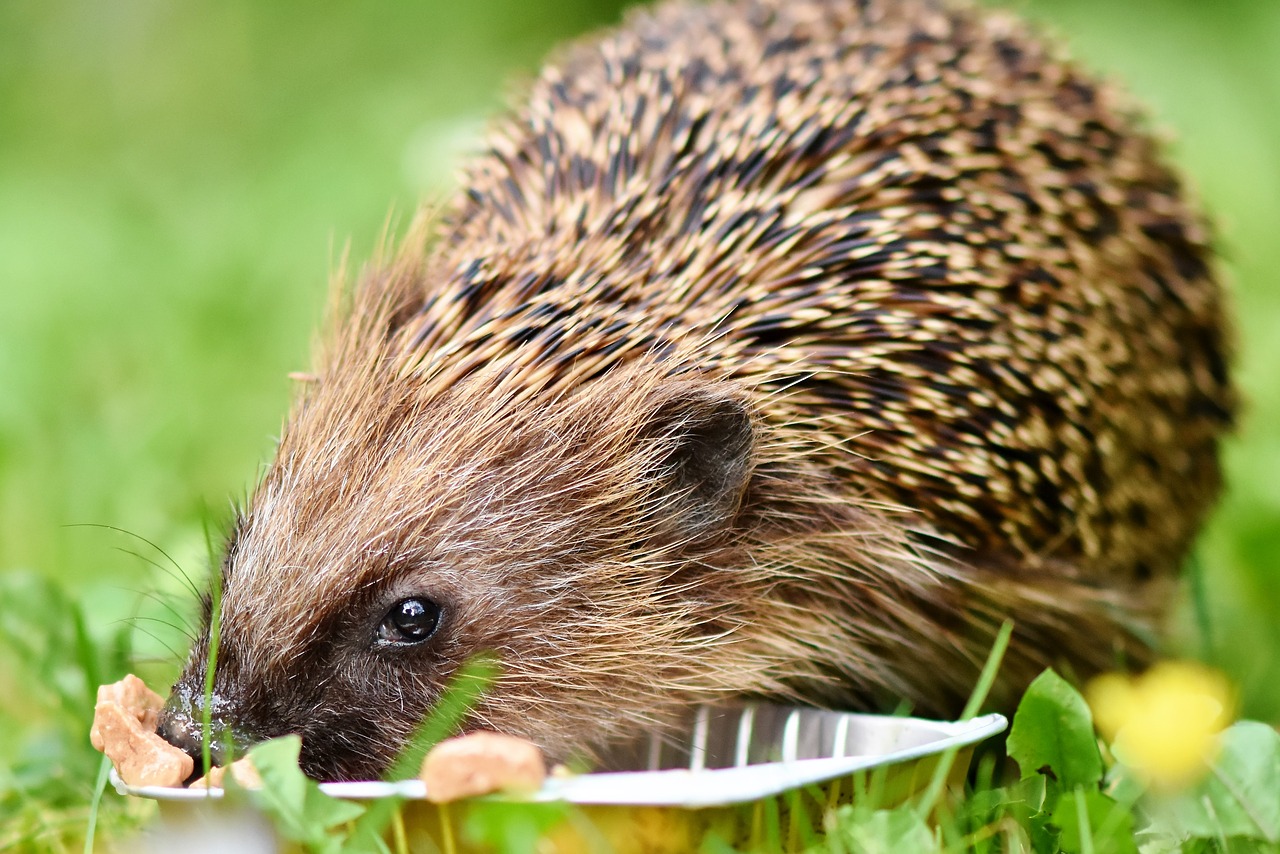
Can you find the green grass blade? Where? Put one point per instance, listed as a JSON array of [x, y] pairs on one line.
[[979, 696], [460, 696], [211, 668], [99, 786]]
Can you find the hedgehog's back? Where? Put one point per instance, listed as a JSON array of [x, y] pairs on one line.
[[954, 251]]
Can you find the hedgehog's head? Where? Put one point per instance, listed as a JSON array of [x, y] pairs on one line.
[[580, 537]]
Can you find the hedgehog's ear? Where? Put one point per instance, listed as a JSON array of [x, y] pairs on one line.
[[706, 438]]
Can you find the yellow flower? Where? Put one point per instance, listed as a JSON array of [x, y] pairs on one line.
[[1163, 724]]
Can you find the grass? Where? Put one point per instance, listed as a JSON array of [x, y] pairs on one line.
[[176, 182]]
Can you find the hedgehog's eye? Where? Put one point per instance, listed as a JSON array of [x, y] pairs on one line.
[[409, 621]]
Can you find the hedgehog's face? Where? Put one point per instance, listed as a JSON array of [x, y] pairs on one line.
[[568, 540]]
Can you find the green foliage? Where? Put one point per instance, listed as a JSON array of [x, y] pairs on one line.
[[880, 832], [301, 812], [1016, 811], [1053, 733], [513, 828], [1089, 821], [1238, 800], [51, 768], [1060, 803], [64, 662]]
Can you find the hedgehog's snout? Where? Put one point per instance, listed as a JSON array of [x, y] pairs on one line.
[[182, 725]]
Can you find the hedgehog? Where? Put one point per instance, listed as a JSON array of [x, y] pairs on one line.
[[774, 349]]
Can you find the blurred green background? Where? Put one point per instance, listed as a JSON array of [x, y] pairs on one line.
[[178, 181]]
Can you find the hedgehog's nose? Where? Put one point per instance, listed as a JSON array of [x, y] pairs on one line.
[[182, 725]]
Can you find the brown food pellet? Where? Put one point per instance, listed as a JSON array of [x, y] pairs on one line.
[[135, 697], [479, 764], [141, 757]]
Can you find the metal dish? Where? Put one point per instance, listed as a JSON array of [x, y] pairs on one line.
[[718, 772]]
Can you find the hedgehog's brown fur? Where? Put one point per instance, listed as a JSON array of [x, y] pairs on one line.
[[776, 347]]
